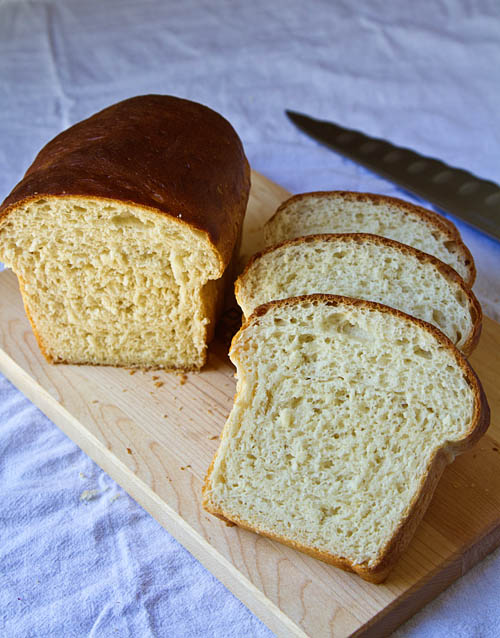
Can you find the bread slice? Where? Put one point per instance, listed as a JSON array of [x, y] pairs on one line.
[[368, 267], [348, 212], [346, 414], [122, 231]]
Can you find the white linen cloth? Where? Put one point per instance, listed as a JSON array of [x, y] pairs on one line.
[[78, 557]]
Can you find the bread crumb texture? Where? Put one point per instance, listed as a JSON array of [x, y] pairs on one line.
[[339, 412], [105, 282], [344, 212]]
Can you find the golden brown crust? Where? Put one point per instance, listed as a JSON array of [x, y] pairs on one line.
[[163, 153], [439, 222], [444, 455], [365, 238]]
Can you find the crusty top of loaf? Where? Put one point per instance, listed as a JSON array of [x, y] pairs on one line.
[[158, 151]]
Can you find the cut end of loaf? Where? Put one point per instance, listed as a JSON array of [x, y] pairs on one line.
[[121, 232], [110, 283], [345, 415]]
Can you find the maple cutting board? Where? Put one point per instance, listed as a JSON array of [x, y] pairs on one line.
[[155, 433]]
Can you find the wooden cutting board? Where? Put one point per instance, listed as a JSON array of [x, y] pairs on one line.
[[155, 433]]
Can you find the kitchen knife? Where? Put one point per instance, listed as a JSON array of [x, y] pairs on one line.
[[454, 190]]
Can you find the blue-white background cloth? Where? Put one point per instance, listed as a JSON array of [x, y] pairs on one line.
[[423, 74]]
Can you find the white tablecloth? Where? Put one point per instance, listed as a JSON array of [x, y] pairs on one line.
[[78, 557]]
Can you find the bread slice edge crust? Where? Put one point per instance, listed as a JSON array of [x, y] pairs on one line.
[[425, 258], [428, 216], [444, 455]]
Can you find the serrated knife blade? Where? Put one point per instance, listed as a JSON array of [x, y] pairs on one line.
[[454, 190]]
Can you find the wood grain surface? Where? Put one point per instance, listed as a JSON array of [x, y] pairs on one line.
[[155, 433]]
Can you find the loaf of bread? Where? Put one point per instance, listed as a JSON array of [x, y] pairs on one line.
[[348, 212], [346, 414], [367, 267], [122, 230]]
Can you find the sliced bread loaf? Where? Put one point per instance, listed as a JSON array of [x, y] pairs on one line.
[[345, 416], [348, 212], [368, 267], [122, 232]]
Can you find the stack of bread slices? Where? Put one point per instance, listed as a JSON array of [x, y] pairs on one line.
[[353, 389]]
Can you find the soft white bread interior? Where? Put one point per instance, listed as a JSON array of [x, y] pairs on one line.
[[367, 267], [346, 414], [351, 212], [111, 283]]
